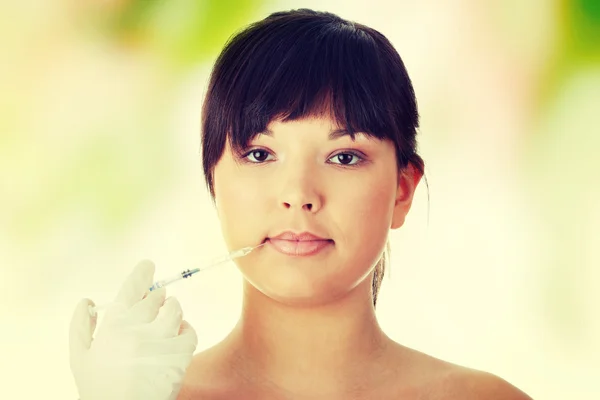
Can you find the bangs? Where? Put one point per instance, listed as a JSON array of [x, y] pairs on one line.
[[303, 68]]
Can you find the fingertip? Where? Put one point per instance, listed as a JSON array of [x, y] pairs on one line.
[[172, 303], [82, 325], [87, 301], [144, 271], [85, 304], [160, 293], [146, 267], [184, 326], [187, 329]]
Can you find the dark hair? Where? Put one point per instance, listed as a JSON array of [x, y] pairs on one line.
[[300, 63]]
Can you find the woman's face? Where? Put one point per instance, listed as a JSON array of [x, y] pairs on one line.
[[295, 177]]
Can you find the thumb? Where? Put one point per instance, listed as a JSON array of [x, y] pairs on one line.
[[81, 330]]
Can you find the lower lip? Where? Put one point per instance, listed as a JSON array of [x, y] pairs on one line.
[[299, 248]]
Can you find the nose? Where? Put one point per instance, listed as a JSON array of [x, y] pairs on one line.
[[301, 200], [302, 193], [307, 206]]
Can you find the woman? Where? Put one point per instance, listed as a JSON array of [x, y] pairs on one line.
[[309, 146], [309, 126]]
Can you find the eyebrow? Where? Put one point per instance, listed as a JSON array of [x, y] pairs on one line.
[[333, 135]]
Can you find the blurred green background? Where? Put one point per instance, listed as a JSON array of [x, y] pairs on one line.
[[99, 167]]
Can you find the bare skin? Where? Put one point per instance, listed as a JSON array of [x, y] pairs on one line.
[[308, 328], [218, 374], [264, 360]]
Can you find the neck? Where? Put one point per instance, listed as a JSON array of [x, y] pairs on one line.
[[299, 349]]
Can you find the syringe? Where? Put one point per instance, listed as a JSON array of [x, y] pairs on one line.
[[187, 273]]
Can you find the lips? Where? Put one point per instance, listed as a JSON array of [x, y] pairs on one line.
[[301, 244], [298, 237], [299, 248]]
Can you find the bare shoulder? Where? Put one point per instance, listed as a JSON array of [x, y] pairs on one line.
[[465, 383], [197, 379], [416, 375], [210, 376], [432, 378]]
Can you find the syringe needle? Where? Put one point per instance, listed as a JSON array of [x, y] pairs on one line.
[[214, 263], [218, 261], [187, 273], [233, 255]]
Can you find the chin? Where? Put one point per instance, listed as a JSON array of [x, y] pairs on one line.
[[298, 299]]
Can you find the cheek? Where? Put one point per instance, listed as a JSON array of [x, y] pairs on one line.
[[370, 208], [238, 206], [365, 222]]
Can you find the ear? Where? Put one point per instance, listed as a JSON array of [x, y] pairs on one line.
[[408, 180]]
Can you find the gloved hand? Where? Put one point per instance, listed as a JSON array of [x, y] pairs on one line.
[[141, 349]]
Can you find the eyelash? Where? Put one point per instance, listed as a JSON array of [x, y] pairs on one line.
[[361, 159]]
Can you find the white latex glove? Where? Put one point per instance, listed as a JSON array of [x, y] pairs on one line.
[[141, 349]]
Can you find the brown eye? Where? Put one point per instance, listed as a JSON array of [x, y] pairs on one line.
[[256, 153], [346, 157]]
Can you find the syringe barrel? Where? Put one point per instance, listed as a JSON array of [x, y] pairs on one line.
[[164, 282], [158, 285]]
